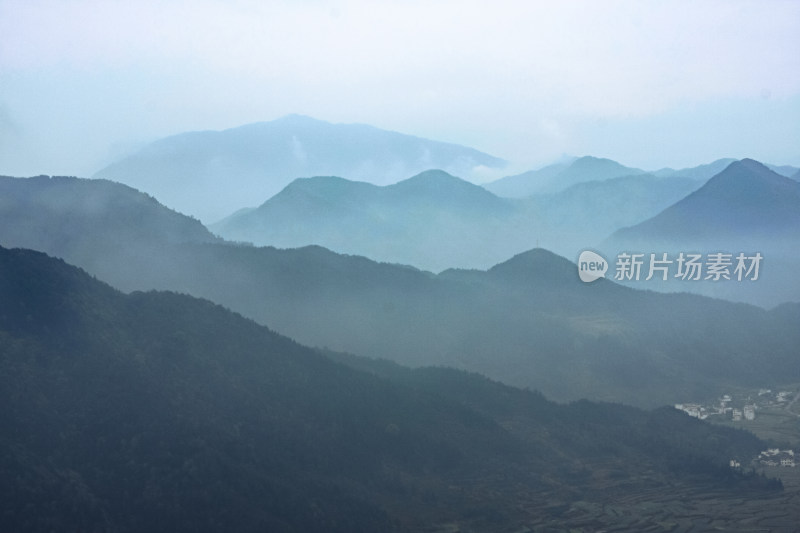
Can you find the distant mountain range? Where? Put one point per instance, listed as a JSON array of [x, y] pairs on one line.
[[557, 177], [432, 221], [528, 321], [701, 172], [160, 412], [745, 209], [785, 170], [210, 174], [436, 221], [745, 203], [586, 213]]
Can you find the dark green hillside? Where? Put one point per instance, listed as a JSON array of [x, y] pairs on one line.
[[160, 412], [528, 321], [83, 220]]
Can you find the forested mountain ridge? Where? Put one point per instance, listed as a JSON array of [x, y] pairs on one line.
[[528, 321], [161, 412]]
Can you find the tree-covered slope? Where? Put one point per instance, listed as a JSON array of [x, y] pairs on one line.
[[160, 412]]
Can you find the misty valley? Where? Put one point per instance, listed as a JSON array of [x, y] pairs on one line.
[[303, 326]]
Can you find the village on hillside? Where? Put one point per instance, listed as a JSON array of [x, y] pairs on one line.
[[744, 408], [741, 407]]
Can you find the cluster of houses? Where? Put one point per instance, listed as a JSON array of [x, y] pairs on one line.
[[776, 457], [746, 412], [771, 457]]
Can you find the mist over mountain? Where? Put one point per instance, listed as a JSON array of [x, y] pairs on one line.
[[88, 222], [700, 172], [527, 183], [435, 221], [210, 174], [533, 329], [554, 178], [432, 221], [528, 321], [745, 202], [160, 412], [784, 170], [747, 208], [586, 213]]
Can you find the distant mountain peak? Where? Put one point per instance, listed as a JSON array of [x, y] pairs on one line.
[[742, 174], [537, 264], [590, 159], [746, 199], [211, 174], [433, 177], [443, 187], [432, 174]]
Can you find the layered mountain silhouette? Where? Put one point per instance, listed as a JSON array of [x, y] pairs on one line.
[[557, 177], [160, 412], [745, 209], [432, 221], [586, 213], [436, 221], [701, 172], [210, 174], [88, 221], [746, 202], [528, 321], [784, 170], [527, 183]]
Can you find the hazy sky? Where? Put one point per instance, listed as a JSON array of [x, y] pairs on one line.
[[650, 84]]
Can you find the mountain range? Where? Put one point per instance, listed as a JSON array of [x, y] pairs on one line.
[[210, 174], [432, 221], [746, 202], [586, 213], [439, 221], [745, 209], [436, 221], [559, 176], [527, 321], [160, 412]]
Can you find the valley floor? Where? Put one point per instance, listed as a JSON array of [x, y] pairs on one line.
[[674, 509]]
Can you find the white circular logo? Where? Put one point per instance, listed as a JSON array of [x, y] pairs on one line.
[[591, 266]]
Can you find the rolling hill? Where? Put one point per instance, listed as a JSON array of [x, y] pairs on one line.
[[586, 213], [432, 221], [435, 221], [527, 183], [88, 221], [557, 177], [528, 321], [701, 172], [210, 174], [745, 209], [161, 412], [746, 201]]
